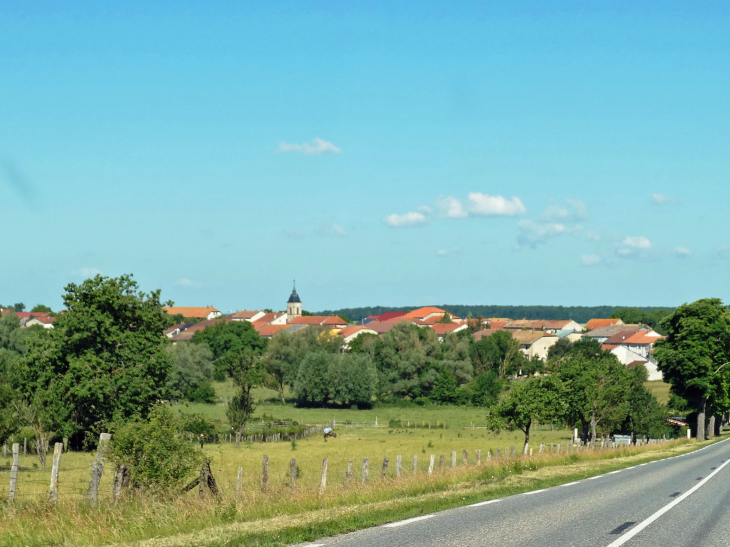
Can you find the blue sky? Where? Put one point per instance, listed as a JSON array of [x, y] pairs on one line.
[[380, 152]]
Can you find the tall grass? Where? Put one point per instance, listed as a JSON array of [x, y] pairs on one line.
[[34, 522]]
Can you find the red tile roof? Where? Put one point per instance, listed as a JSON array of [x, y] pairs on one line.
[[267, 318], [641, 338], [196, 312], [444, 328], [388, 315], [24, 314], [243, 314], [270, 330], [620, 337], [595, 323], [320, 320], [420, 313], [381, 326]]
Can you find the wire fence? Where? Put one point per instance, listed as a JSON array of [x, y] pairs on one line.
[[78, 476]]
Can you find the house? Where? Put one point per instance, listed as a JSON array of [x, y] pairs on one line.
[[44, 321], [351, 332], [387, 316], [273, 318], [619, 338], [484, 333], [430, 315], [207, 312], [245, 315], [381, 327], [572, 336], [184, 335], [442, 329], [329, 321], [642, 342], [630, 358], [548, 325], [601, 334], [596, 323], [535, 343], [268, 330]]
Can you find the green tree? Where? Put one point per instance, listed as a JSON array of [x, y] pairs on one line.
[[645, 415], [312, 384], [105, 360], [559, 350], [363, 343], [693, 355], [192, 367], [230, 336], [487, 388], [155, 451], [500, 351], [20, 307], [41, 308], [246, 369], [353, 379], [537, 400], [445, 389]]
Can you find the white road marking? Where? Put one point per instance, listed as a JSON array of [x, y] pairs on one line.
[[483, 503], [570, 483], [614, 472], [533, 492], [638, 528], [594, 478], [408, 521]]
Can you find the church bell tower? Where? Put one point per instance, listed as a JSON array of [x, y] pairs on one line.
[[293, 305]]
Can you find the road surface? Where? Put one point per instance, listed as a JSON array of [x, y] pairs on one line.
[[682, 501]]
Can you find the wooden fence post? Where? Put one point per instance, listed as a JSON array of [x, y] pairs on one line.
[[14, 472], [385, 467], [398, 464], [323, 478], [479, 457], [430, 465], [365, 470], [464, 457], [558, 452], [542, 448], [441, 462], [489, 455], [97, 468], [203, 482], [121, 478], [53, 493], [265, 473], [512, 452], [415, 464], [348, 473], [239, 483], [453, 459], [497, 454], [293, 473], [525, 449]]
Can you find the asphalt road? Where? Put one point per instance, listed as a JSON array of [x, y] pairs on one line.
[[677, 502]]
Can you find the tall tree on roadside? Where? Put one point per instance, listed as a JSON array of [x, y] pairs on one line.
[[537, 400], [105, 359], [694, 355], [645, 416], [499, 351], [246, 370]]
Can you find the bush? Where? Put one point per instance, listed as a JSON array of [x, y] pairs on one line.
[[422, 401], [155, 451], [203, 394]]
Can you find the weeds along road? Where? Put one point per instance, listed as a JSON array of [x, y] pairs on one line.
[[683, 501]]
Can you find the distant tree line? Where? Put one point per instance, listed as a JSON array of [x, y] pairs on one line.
[[581, 314]]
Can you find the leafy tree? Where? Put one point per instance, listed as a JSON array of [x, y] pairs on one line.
[[363, 342], [230, 336], [487, 388], [192, 367], [529, 401], [500, 351], [445, 389], [559, 350], [41, 308], [104, 361], [285, 353], [155, 451], [455, 358], [650, 318], [693, 355], [204, 393], [196, 424], [312, 385], [353, 379], [445, 318], [407, 359], [645, 415], [246, 369], [18, 307]]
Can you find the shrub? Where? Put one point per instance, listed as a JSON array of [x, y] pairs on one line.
[[155, 452]]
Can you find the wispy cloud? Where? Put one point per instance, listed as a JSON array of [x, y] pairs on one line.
[[453, 251], [413, 218], [532, 234], [590, 260], [486, 205], [574, 210], [316, 148], [450, 207], [682, 252], [637, 247], [637, 242], [339, 230], [89, 272], [660, 199], [185, 282]]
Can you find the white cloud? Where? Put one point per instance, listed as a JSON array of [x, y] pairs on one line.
[[406, 219], [659, 199], [424, 209], [574, 210], [89, 272], [450, 207], [185, 282], [339, 230], [449, 252], [637, 242], [532, 234], [682, 251], [590, 260], [486, 205], [317, 147]]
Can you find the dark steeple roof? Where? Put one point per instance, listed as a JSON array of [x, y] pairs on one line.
[[294, 296]]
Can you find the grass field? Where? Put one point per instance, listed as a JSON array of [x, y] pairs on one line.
[[281, 516]]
